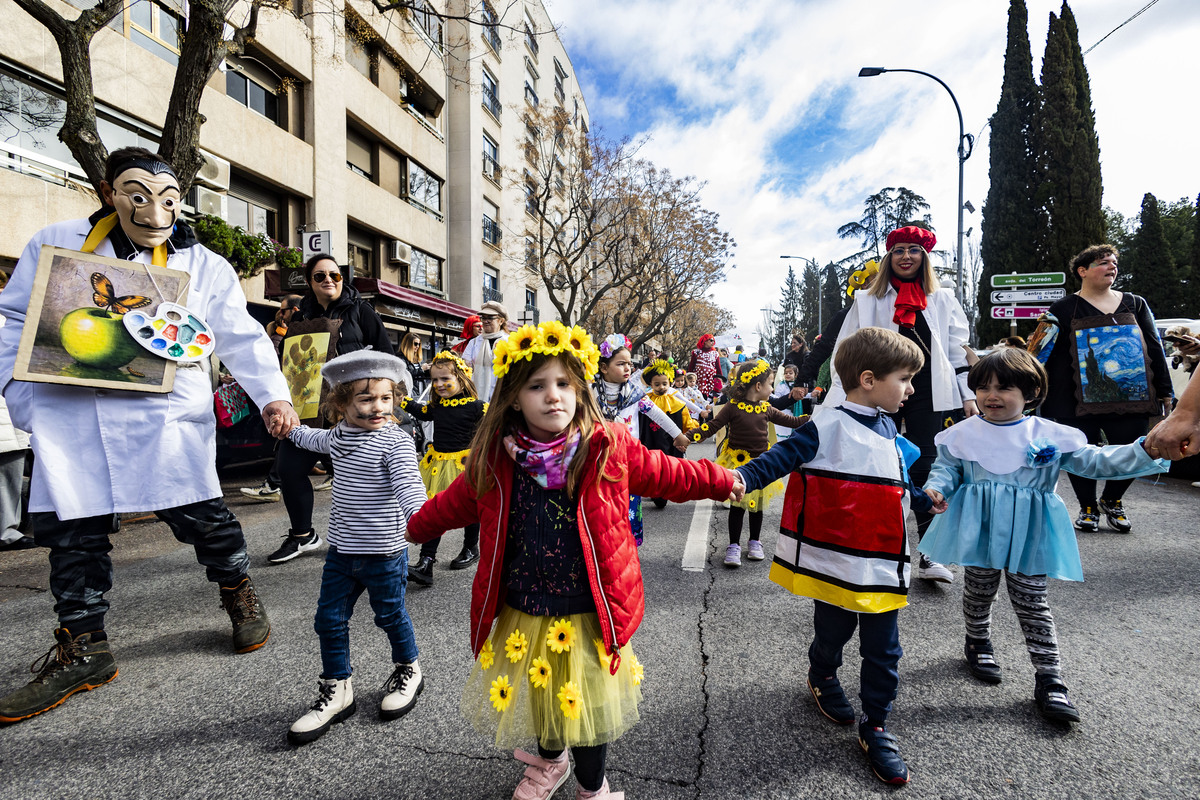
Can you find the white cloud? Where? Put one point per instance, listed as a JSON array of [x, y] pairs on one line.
[[745, 74]]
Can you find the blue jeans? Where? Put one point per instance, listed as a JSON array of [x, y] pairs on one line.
[[878, 644], [384, 576]]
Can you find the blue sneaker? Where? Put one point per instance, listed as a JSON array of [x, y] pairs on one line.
[[831, 700], [883, 753]]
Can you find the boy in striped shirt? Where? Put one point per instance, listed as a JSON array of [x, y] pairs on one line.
[[376, 489]]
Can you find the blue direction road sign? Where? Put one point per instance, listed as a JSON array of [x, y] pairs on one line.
[[1029, 296], [1030, 279]]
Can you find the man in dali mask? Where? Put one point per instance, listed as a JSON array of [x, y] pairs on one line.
[[102, 452]]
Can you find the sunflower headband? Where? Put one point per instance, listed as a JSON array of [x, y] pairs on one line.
[[659, 367], [749, 375], [455, 358], [549, 338]]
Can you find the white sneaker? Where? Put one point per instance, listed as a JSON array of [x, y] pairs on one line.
[[754, 551], [733, 556], [933, 571], [1196, 484], [335, 703], [402, 689], [263, 493], [324, 485]]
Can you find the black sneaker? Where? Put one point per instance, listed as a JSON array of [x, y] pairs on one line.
[[251, 628], [1087, 520], [981, 660], [1114, 512], [883, 753], [422, 571], [831, 700], [75, 664], [466, 558], [1053, 702], [659, 502], [295, 545]]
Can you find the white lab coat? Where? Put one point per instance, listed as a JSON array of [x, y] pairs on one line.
[[101, 451], [948, 333]]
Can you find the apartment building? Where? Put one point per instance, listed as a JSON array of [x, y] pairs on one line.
[[370, 126]]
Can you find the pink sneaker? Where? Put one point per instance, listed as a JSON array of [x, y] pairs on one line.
[[601, 794], [542, 776]]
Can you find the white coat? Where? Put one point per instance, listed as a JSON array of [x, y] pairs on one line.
[[948, 333], [101, 451]]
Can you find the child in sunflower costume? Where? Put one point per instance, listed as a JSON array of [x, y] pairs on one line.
[[455, 411], [748, 416], [558, 593], [659, 377]]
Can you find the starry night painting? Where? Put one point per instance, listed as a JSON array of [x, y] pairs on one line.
[[1112, 364]]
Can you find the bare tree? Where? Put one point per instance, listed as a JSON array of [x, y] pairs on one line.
[[681, 331]]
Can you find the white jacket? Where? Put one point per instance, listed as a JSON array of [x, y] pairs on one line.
[[948, 333], [99, 451]]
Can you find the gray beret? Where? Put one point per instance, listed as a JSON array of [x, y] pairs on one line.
[[365, 364]]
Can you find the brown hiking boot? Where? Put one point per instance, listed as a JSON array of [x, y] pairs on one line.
[[75, 664], [251, 629]]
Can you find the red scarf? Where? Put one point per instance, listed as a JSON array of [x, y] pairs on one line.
[[910, 298]]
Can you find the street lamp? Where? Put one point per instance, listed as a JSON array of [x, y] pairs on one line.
[[820, 290], [966, 144]]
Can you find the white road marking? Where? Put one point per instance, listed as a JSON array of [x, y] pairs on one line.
[[695, 550]]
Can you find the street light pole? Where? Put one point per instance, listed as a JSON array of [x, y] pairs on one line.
[[820, 290], [966, 144]]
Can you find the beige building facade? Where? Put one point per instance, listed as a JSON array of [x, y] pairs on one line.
[[376, 128]]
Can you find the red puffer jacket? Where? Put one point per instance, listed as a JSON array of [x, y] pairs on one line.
[[609, 551]]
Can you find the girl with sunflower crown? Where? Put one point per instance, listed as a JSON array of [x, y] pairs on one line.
[[455, 411], [659, 377], [558, 592], [749, 416]]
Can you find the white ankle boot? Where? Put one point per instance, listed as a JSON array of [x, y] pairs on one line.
[[402, 690], [334, 704]]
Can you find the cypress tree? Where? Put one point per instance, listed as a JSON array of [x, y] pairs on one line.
[[1192, 308], [1155, 278], [1086, 210], [1010, 217]]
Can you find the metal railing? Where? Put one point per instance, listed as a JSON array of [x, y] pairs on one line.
[[530, 94], [531, 41], [491, 294], [532, 313], [491, 231], [491, 167], [491, 102]]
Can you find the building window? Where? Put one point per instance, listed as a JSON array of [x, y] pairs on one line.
[[491, 287], [490, 26], [531, 315], [531, 35], [358, 154], [254, 208], [252, 95], [491, 158], [151, 26], [424, 187], [358, 51], [425, 271], [531, 202], [360, 253], [491, 228], [491, 94], [560, 76], [531, 79], [426, 21]]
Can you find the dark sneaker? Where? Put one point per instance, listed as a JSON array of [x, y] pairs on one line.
[[251, 628], [1053, 702], [294, 545], [401, 690], [659, 502], [1114, 511], [20, 543], [981, 660], [831, 700], [466, 558], [883, 753], [422, 571], [1087, 520], [73, 665]]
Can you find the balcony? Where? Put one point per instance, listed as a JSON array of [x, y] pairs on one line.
[[491, 231], [531, 95], [531, 41], [491, 36], [492, 294], [491, 102], [559, 92], [531, 316], [491, 168]]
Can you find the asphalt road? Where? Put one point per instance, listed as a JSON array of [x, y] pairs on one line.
[[726, 713]]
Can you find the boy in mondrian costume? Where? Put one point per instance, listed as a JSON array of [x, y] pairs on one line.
[[842, 541]]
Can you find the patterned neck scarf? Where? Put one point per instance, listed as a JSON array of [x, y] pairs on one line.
[[545, 462], [910, 298], [614, 398]]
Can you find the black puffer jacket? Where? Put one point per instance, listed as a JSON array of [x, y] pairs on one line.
[[361, 326]]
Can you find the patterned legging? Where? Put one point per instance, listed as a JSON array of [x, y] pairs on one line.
[[1028, 596]]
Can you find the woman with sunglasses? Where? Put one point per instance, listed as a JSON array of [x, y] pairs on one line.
[[329, 295], [905, 296]]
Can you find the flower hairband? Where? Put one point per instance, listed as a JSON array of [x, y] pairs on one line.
[[659, 367], [612, 343], [450, 355], [550, 338], [750, 374]]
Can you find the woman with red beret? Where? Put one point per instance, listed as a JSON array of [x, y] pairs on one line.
[[905, 296]]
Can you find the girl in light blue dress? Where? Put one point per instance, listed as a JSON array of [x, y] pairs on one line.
[[995, 477]]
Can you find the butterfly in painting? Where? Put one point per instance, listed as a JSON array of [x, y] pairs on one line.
[[105, 296]]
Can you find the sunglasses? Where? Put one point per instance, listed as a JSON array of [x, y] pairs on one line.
[[319, 277]]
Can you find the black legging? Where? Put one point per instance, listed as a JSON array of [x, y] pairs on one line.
[[470, 539], [736, 515], [919, 428], [589, 764], [1119, 429], [294, 465]]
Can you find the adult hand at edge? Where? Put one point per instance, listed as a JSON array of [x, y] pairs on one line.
[[1174, 438], [280, 417], [970, 409]]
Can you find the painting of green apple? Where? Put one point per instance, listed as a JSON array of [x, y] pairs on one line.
[[74, 333]]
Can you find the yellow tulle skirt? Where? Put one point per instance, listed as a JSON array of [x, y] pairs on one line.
[[524, 691], [759, 499], [438, 470]]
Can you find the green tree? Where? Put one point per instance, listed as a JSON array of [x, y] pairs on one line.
[[883, 212], [833, 295], [810, 292], [1154, 276], [1010, 217], [785, 321], [1192, 307]]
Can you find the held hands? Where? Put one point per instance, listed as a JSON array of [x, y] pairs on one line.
[[280, 418], [939, 502], [799, 393], [682, 441], [739, 487]]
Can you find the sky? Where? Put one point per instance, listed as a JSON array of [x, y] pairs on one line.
[[760, 100]]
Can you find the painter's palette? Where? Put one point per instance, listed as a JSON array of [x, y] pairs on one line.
[[173, 333]]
